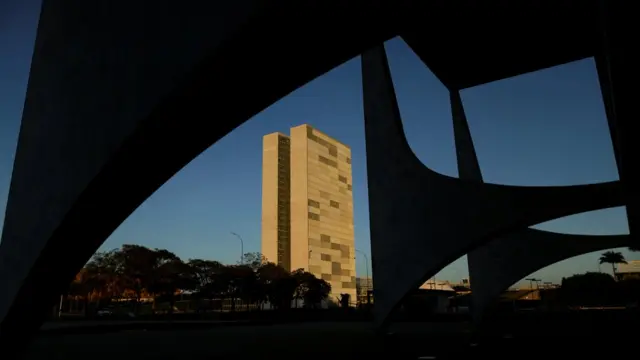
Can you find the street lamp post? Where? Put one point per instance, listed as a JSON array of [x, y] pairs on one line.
[[241, 247], [60, 307], [366, 266], [531, 280], [366, 258]]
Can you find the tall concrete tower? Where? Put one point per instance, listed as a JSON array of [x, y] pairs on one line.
[[319, 221]]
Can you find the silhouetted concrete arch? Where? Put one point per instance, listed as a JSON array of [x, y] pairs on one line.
[[421, 220], [502, 262], [122, 95]]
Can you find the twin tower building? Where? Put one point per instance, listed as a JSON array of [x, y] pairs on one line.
[[307, 206]]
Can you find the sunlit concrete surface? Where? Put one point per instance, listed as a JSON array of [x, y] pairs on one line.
[[307, 206]]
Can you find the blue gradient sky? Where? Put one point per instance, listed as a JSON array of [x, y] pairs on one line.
[[545, 128]]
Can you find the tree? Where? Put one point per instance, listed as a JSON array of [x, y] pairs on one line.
[[205, 274], [309, 288], [630, 289], [136, 271], [279, 285], [318, 290], [613, 258], [169, 276], [589, 289], [104, 266], [136, 266], [302, 280], [254, 260], [84, 286], [245, 285], [97, 279]]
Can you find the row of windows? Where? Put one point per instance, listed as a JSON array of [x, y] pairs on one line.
[[348, 285], [345, 284], [316, 184], [316, 204], [327, 161], [333, 150]]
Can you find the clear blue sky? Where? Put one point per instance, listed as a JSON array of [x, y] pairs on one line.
[[545, 128]]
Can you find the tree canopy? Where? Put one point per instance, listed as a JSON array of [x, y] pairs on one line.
[[135, 271]]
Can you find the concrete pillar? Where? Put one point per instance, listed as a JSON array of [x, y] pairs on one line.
[[122, 95], [421, 220], [501, 262], [617, 71]]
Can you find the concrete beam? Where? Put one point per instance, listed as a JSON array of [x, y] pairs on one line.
[[115, 86], [618, 76], [502, 262], [421, 220], [498, 264], [122, 95]]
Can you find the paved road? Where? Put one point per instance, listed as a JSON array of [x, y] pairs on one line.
[[287, 341], [335, 341], [57, 325]]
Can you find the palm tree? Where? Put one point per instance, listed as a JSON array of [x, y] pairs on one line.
[[613, 258]]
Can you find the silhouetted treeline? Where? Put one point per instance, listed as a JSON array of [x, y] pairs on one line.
[[135, 272], [598, 289]]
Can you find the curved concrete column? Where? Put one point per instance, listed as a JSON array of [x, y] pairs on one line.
[[422, 220], [122, 95], [617, 74], [501, 262], [498, 264]]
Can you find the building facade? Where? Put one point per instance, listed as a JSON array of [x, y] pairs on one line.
[[629, 270], [276, 180], [316, 220], [364, 290]]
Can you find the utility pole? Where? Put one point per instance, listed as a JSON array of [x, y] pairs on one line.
[[366, 258], [241, 247]]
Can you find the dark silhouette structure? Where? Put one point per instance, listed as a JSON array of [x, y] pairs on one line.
[[122, 95], [421, 220], [503, 261]]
